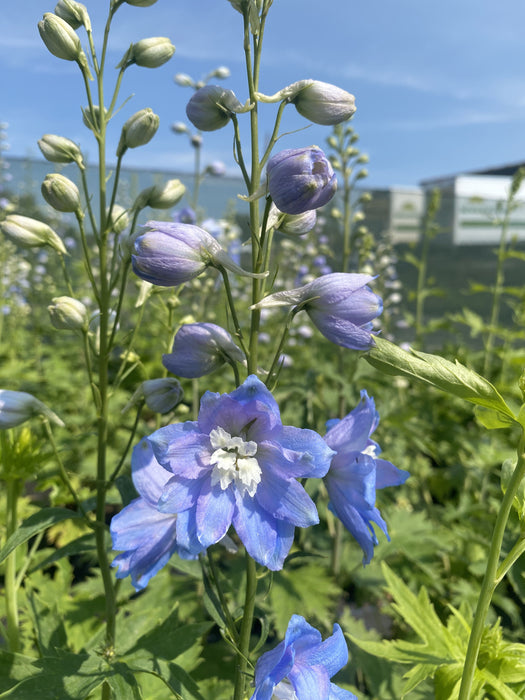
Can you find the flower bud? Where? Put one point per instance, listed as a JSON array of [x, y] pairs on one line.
[[139, 129], [184, 80], [211, 107], [119, 219], [16, 407], [325, 104], [67, 313], [162, 395], [58, 149], [300, 179], [199, 349], [292, 224], [30, 233], [74, 13], [60, 193], [150, 53], [217, 168], [196, 140], [222, 72], [141, 3], [179, 128], [161, 196], [60, 38]]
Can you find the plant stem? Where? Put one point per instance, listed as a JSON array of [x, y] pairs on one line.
[[492, 577], [11, 598], [246, 629]]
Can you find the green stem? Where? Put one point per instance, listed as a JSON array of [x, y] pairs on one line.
[[246, 630], [492, 575], [234, 634], [231, 306], [196, 178], [11, 598]]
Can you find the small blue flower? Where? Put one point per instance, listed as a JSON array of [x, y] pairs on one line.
[[169, 254], [340, 304], [186, 215], [300, 667], [237, 464], [199, 349], [300, 179], [146, 536], [357, 472]]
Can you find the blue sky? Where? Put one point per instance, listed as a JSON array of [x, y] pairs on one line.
[[439, 86]]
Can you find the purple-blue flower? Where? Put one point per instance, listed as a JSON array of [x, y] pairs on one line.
[[186, 215], [169, 254], [199, 349], [340, 304], [301, 666], [357, 472], [146, 536], [238, 465], [300, 179]]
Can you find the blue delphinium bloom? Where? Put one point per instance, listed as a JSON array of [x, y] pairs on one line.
[[237, 464], [300, 667], [146, 536], [341, 305], [357, 472], [199, 349], [300, 179]]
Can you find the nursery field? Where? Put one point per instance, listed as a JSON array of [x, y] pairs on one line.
[[251, 452]]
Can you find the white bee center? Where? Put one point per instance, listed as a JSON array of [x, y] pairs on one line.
[[284, 691], [370, 450], [234, 461]]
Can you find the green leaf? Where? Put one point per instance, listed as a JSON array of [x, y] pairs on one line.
[[41, 520], [507, 470], [451, 377], [492, 420]]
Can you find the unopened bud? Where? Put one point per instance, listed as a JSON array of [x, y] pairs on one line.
[[217, 168], [74, 13], [184, 80], [119, 219], [196, 140], [30, 233], [152, 52], [162, 395], [321, 103], [161, 196], [139, 129], [60, 193], [91, 117], [141, 3], [222, 72], [179, 128], [58, 149], [16, 407], [59, 37], [67, 313], [211, 107]]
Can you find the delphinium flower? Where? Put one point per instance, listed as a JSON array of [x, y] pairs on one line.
[[146, 536], [301, 666], [300, 179], [341, 306], [237, 464], [357, 472], [169, 254], [199, 349]]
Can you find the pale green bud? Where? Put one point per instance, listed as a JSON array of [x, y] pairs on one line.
[[60, 193], [162, 395], [152, 52], [16, 407], [60, 38], [222, 72], [91, 119], [161, 196], [363, 158], [119, 219], [141, 3], [291, 224], [30, 233], [321, 103], [67, 313], [139, 129], [179, 128], [58, 149], [362, 174], [184, 80], [74, 13]]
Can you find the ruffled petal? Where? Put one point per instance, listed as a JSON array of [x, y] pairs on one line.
[[286, 500]]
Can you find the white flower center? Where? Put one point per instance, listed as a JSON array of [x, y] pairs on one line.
[[370, 450], [234, 461], [284, 691]]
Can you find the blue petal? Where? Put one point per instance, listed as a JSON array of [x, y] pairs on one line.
[[353, 431], [182, 449], [149, 477], [252, 389], [332, 654], [314, 455], [340, 331], [337, 693], [389, 475], [214, 513], [286, 499], [148, 539], [179, 494], [310, 682], [267, 540]]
